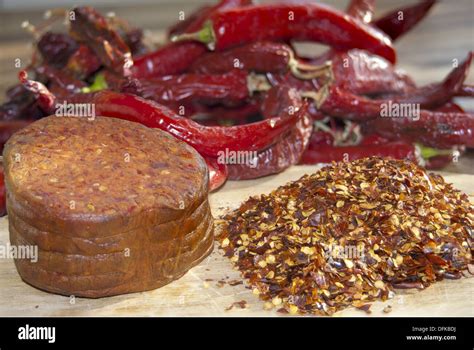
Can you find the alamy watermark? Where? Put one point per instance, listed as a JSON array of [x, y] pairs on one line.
[[82, 110], [392, 109], [27, 252], [249, 158]]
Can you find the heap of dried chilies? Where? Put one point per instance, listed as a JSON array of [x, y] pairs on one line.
[[350, 234]]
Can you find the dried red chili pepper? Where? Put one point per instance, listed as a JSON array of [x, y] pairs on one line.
[[82, 63], [364, 74], [231, 88], [261, 57], [327, 154], [21, 104], [56, 48], [284, 22], [175, 58], [320, 138], [437, 94], [170, 59], [90, 27], [435, 129], [44, 98], [207, 140], [60, 78], [286, 152], [217, 173], [402, 20], [197, 19]]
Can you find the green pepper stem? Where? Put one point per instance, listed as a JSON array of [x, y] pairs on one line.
[[206, 36]]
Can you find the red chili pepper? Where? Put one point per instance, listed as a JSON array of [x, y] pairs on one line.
[[60, 78], [170, 59], [44, 98], [206, 140], [220, 115], [3, 203], [175, 58], [284, 22], [437, 94], [435, 129], [395, 25], [328, 154], [285, 152], [217, 173], [361, 73], [91, 28], [231, 88], [205, 12], [82, 63], [261, 57], [342, 103], [56, 48], [320, 138]]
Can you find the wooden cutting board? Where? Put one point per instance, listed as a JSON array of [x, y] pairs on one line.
[[199, 292]]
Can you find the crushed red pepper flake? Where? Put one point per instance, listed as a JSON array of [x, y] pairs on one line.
[[242, 304], [348, 235]]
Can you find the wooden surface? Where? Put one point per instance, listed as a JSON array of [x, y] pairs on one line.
[[426, 53], [198, 293]]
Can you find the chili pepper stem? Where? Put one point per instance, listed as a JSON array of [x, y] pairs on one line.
[[307, 71], [317, 96], [206, 36]]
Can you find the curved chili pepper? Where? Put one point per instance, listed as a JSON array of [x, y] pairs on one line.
[[173, 58], [231, 88], [197, 19], [217, 173], [287, 151], [435, 129], [395, 26], [284, 22], [437, 94], [328, 154], [261, 57], [206, 140], [344, 104], [90, 27], [45, 99], [364, 74]]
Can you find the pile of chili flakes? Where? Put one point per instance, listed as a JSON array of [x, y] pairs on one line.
[[348, 235]]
